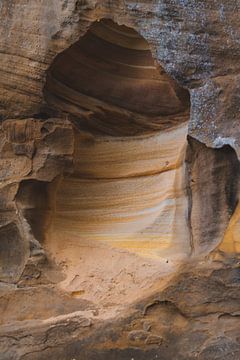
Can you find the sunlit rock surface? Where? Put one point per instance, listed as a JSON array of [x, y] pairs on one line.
[[129, 192], [119, 170]]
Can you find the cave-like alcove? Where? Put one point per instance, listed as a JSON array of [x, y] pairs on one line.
[[110, 82], [130, 118]]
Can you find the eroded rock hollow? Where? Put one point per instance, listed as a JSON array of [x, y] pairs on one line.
[[127, 182], [119, 211]]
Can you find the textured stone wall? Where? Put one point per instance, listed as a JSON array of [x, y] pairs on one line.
[[119, 179]]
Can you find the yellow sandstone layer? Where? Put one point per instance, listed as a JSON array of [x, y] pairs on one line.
[[231, 241], [128, 192]]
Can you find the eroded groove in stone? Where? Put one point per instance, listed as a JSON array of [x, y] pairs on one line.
[[214, 182]]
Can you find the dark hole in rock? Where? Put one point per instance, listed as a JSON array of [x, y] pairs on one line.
[[33, 199]]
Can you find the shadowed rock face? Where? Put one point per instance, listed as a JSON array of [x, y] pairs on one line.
[[109, 79], [119, 234], [108, 55], [214, 185]]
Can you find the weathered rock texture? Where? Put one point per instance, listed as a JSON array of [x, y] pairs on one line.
[[119, 180]]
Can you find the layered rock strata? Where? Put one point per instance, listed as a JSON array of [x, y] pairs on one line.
[[119, 210], [127, 182]]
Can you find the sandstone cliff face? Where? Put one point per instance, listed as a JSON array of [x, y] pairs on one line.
[[119, 211]]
